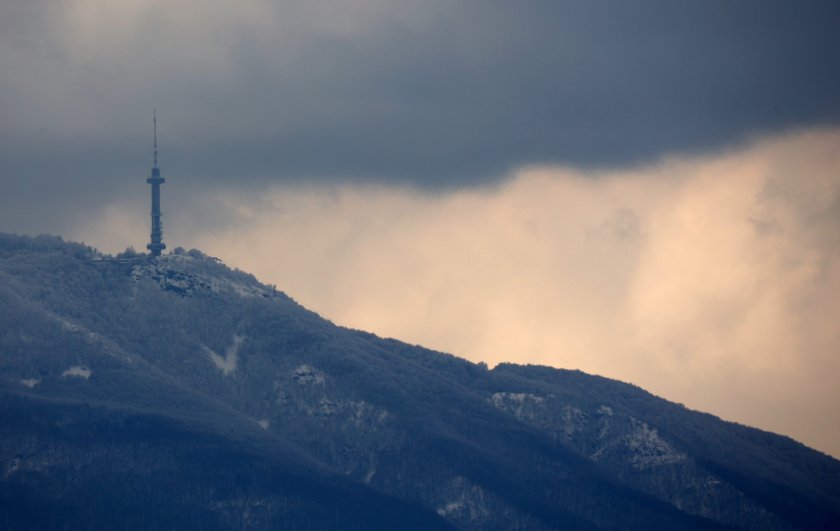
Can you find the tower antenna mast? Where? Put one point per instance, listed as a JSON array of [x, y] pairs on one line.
[[156, 244], [154, 127]]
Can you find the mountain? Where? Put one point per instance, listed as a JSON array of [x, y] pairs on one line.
[[176, 393]]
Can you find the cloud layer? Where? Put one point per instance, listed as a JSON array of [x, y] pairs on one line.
[[709, 280], [430, 93]]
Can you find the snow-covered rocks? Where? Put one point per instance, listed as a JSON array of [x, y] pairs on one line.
[[523, 406], [649, 449], [327, 407], [306, 375], [187, 274], [572, 420], [603, 433], [605, 411]]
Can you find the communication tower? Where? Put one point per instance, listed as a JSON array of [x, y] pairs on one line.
[[156, 245]]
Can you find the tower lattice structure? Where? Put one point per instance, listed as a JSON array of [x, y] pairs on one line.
[[156, 244]]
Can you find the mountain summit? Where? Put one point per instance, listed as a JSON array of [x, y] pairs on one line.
[[175, 393]]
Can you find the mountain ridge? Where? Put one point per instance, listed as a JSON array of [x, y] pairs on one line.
[[183, 338]]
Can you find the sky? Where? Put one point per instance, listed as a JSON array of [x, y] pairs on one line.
[[649, 191]]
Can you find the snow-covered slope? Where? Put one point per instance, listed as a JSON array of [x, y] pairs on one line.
[[175, 392]]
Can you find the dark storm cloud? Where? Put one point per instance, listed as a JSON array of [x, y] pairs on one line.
[[430, 94]]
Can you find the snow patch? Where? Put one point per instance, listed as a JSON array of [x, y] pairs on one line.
[[227, 364], [605, 411], [306, 375], [360, 411], [328, 407], [465, 504], [224, 285], [573, 419], [522, 405], [498, 399], [91, 338], [67, 325], [30, 382], [450, 508], [370, 475], [77, 371], [264, 423]]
